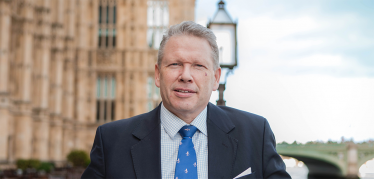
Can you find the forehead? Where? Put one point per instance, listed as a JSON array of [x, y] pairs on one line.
[[187, 47]]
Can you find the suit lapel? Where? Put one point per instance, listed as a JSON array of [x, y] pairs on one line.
[[221, 146], [146, 154]]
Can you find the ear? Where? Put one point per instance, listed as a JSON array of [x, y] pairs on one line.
[[157, 76], [217, 76]]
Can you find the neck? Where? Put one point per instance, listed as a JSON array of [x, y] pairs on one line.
[[186, 116]]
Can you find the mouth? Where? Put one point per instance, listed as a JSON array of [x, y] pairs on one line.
[[181, 91], [184, 93]]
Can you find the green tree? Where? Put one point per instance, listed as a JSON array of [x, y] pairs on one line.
[[78, 158], [24, 164], [46, 166]]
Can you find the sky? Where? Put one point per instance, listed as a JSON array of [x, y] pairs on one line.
[[306, 66]]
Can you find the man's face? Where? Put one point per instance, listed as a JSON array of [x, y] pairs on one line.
[[186, 76]]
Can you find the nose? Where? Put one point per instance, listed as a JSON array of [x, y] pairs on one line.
[[186, 76]]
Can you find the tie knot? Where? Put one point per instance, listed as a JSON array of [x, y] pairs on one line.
[[187, 131]]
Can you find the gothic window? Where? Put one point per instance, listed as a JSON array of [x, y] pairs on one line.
[[157, 21], [105, 98], [107, 24]]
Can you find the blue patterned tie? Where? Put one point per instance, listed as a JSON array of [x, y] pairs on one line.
[[186, 163]]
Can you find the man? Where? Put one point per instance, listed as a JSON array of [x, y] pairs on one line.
[[186, 136]]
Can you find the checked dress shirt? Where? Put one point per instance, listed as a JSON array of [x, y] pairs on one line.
[[170, 140]]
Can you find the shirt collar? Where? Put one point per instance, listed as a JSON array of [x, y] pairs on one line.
[[172, 124]]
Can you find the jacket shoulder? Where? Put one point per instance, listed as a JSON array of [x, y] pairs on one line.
[[241, 116], [130, 124]]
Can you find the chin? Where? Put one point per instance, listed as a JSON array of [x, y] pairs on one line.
[[184, 106]]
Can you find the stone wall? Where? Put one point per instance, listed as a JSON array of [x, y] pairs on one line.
[[49, 65]]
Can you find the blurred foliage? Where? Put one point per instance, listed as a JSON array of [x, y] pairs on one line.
[[46, 166], [78, 158], [370, 141], [309, 142], [24, 164], [332, 142], [34, 163], [87, 162]]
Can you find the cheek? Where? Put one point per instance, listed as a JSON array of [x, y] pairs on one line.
[[205, 81], [170, 76]]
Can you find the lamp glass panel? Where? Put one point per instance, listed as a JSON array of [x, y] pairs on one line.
[[226, 42], [222, 17]]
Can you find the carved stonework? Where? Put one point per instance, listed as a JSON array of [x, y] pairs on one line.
[[55, 53], [105, 58]]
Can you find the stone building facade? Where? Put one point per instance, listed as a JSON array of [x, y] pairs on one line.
[[68, 66]]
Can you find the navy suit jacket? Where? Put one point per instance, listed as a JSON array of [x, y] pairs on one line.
[[237, 140]]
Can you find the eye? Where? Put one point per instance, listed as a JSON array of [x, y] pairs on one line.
[[198, 65], [174, 64]]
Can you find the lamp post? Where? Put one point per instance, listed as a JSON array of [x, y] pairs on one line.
[[225, 30]]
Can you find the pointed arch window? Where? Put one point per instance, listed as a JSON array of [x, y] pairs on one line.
[[105, 98], [157, 21], [107, 23]]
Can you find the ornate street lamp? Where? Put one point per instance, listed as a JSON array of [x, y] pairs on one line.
[[225, 30]]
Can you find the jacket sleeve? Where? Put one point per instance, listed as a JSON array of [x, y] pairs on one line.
[[273, 165], [96, 169]]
